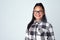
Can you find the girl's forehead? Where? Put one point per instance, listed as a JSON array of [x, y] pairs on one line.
[[38, 8]]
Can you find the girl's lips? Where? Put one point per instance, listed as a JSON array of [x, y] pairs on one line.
[[38, 15]]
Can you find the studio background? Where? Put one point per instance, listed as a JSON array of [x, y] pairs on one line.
[[16, 14]]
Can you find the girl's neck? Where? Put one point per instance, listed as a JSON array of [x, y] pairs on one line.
[[38, 20]]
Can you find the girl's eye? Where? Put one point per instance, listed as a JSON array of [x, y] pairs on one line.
[[37, 11]]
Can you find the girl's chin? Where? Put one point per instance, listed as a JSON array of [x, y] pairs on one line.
[[38, 18]]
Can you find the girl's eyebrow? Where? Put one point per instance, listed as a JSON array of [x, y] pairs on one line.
[[38, 10]]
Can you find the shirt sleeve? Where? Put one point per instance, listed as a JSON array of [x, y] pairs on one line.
[[50, 33], [26, 35]]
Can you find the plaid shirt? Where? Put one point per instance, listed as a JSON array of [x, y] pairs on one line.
[[40, 31]]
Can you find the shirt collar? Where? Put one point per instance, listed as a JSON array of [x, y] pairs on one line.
[[37, 22]]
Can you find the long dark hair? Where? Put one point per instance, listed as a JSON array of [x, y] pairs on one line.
[[33, 18]]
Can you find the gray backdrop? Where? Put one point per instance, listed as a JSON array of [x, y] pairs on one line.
[[16, 14]]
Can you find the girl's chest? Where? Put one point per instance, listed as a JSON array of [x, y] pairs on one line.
[[39, 29]]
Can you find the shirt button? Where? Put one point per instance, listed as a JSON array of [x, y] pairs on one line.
[[36, 23]]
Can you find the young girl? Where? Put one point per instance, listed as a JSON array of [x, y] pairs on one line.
[[39, 28]]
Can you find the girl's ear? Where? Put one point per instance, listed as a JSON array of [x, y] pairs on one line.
[[43, 13]]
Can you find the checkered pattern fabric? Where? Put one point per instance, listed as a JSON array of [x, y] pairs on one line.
[[40, 31]]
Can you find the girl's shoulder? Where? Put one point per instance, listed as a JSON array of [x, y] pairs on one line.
[[48, 24]]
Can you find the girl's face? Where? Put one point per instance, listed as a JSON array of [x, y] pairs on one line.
[[38, 12]]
